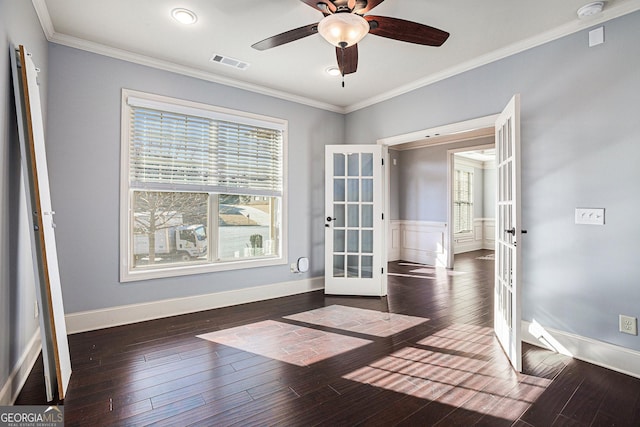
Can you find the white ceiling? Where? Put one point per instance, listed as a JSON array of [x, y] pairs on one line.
[[479, 155], [143, 31]]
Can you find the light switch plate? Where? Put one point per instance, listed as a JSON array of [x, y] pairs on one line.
[[590, 216]]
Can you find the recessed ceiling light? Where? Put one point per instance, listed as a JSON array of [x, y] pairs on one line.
[[590, 9], [333, 71], [184, 16]]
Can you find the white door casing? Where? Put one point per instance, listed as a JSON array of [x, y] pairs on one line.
[[508, 272], [354, 227]]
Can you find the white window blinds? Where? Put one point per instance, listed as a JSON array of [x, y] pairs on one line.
[[463, 202], [172, 149]]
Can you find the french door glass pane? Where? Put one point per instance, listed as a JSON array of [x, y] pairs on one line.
[[338, 266], [353, 215], [354, 163], [367, 190], [367, 215], [338, 164], [338, 190], [353, 190], [353, 268], [338, 214], [338, 240], [353, 241], [367, 241], [367, 267], [367, 164]]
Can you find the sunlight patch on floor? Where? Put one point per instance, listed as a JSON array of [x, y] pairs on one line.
[[461, 365], [369, 322], [288, 343]]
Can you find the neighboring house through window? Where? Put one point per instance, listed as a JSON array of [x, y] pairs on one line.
[[203, 188]]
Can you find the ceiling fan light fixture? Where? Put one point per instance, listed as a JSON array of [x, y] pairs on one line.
[[184, 16], [343, 29]]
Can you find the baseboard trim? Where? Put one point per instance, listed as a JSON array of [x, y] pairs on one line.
[[125, 314], [599, 353], [21, 370]]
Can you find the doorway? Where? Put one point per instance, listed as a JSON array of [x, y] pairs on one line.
[[471, 198], [508, 272], [420, 229]]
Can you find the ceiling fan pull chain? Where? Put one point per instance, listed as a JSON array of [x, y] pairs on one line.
[[342, 46]]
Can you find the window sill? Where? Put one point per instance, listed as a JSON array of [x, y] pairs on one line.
[[187, 270]]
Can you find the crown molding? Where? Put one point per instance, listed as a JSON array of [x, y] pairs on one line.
[[77, 43], [45, 19]]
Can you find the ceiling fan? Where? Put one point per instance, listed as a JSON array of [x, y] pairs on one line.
[[345, 24]]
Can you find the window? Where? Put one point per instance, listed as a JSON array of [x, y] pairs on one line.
[[462, 201], [202, 188]]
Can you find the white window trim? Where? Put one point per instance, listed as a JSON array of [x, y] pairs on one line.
[[128, 275]]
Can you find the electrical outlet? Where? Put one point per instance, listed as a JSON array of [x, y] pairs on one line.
[[628, 325]]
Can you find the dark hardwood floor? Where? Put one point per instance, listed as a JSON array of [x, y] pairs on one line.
[[444, 369]]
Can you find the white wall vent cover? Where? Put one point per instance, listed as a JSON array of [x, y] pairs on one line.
[[231, 62]]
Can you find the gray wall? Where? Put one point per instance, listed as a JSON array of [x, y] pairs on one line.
[[489, 193], [422, 177], [18, 25], [84, 164], [580, 134]]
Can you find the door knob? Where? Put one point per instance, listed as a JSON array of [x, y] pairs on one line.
[[329, 219], [512, 231]]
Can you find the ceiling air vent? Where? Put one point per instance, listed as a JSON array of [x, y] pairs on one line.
[[231, 62]]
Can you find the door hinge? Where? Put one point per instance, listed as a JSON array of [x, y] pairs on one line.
[[382, 270], [382, 162], [383, 216]]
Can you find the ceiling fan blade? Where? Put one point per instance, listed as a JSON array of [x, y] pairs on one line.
[[347, 59], [286, 37], [406, 31], [370, 4], [327, 9]]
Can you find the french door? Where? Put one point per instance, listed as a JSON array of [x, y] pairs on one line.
[[354, 228], [508, 273]]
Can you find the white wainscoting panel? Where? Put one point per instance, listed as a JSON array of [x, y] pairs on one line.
[[489, 233], [481, 237], [422, 242], [393, 250]]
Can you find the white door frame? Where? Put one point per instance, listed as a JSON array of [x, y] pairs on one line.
[[422, 138], [450, 169]]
